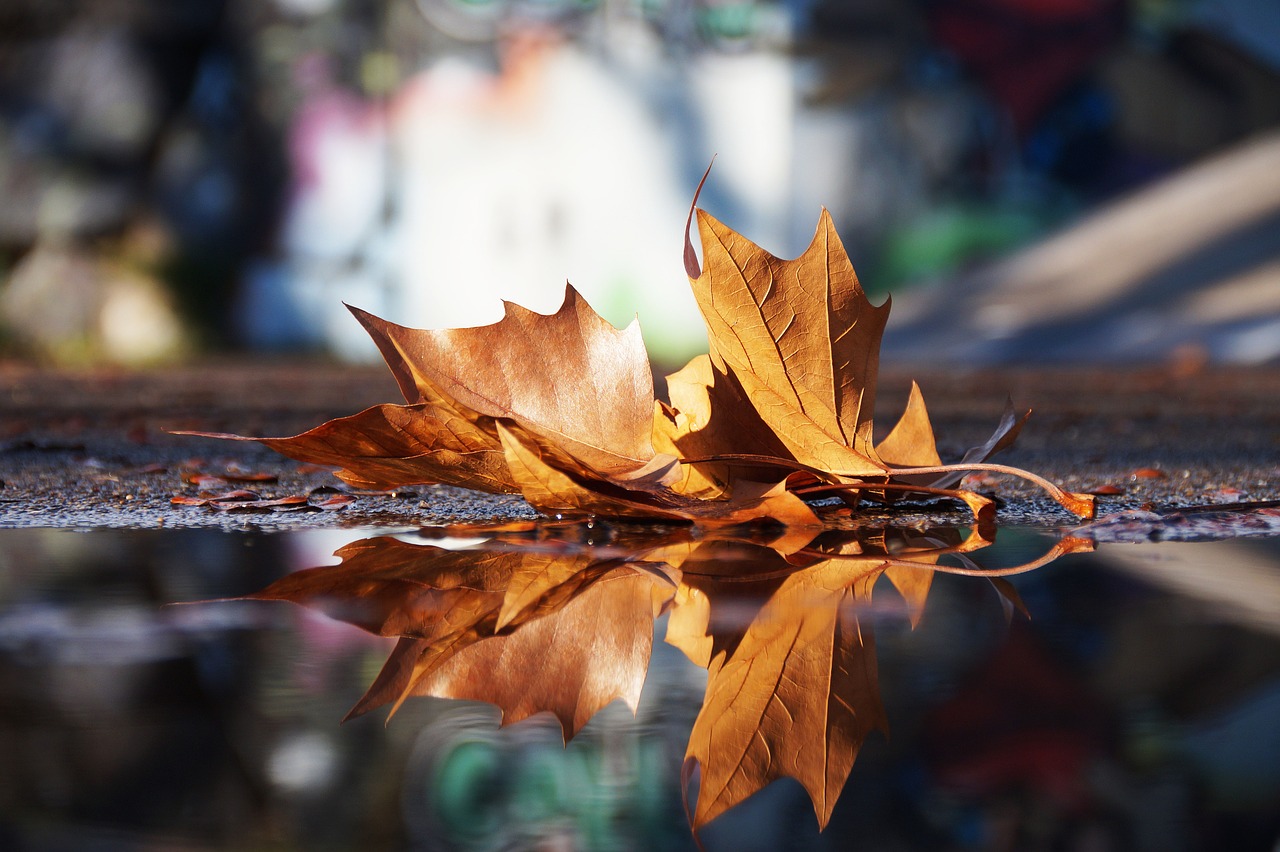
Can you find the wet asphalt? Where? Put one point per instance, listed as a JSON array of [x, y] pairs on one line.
[[93, 448]]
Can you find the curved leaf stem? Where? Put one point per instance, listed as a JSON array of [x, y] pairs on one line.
[[1082, 505], [1060, 548], [763, 461]]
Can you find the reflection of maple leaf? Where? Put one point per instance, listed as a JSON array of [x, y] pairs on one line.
[[571, 662], [526, 629], [533, 623], [792, 689]]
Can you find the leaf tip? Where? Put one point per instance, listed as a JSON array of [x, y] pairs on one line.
[[1084, 506], [690, 771], [691, 265], [1072, 544], [359, 313], [355, 712]]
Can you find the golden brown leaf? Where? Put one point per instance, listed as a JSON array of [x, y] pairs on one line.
[[547, 480], [797, 342], [801, 338], [570, 377], [390, 446]]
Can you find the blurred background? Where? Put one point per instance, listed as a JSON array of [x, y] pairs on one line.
[[1033, 180]]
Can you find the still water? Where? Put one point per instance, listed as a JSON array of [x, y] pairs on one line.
[[1013, 691]]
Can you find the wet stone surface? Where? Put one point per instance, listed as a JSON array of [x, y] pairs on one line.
[[94, 449]]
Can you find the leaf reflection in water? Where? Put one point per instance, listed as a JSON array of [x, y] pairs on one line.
[[533, 620]]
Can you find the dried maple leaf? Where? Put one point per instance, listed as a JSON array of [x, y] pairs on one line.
[[560, 407], [548, 373], [791, 375], [801, 339]]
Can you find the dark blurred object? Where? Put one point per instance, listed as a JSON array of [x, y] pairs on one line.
[[1027, 53], [121, 116], [1197, 94], [1105, 95], [1022, 728]]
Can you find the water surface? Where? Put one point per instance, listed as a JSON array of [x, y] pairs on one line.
[[1124, 698]]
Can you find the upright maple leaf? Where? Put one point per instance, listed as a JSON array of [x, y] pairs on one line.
[[800, 337], [791, 376]]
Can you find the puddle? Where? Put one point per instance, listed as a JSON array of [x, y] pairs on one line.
[[1036, 695]]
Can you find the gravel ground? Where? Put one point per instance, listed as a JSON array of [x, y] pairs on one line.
[[92, 448]]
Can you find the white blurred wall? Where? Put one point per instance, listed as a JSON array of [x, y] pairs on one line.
[[470, 187]]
